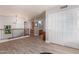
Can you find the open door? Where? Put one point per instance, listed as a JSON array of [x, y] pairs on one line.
[[26, 29]]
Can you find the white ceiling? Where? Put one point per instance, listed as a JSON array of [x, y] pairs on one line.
[[24, 10]]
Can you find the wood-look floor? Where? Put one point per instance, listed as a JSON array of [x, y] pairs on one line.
[[33, 45]]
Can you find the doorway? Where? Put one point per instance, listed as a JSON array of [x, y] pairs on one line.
[[26, 29]]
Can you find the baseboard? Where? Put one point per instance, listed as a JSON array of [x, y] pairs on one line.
[[62, 44], [5, 40]]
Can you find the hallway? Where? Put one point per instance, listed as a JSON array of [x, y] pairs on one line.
[[33, 45]]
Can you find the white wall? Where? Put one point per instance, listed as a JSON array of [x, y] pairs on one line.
[[6, 20], [63, 27], [16, 23]]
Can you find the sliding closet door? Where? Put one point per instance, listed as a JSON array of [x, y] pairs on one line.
[[63, 27], [55, 27]]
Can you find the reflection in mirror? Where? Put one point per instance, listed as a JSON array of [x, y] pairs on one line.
[[40, 23]]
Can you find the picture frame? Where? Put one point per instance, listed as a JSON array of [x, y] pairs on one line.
[[7, 29]]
